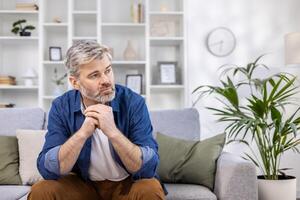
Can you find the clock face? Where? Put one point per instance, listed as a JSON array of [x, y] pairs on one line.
[[221, 42]]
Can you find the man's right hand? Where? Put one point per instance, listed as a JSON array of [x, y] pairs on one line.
[[88, 127]]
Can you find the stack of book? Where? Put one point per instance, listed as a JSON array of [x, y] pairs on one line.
[[6, 105], [7, 80], [26, 6]]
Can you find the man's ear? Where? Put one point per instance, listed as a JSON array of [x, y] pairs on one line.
[[74, 82]]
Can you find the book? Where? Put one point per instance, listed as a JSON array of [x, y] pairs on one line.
[[7, 80], [7, 105]]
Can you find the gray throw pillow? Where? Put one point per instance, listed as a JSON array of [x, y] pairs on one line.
[[9, 165], [194, 162]]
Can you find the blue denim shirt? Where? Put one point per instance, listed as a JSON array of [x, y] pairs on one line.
[[65, 118]]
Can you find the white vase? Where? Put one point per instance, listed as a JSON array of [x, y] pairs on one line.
[[284, 189]]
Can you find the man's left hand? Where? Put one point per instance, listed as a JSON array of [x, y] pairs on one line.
[[104, 115]]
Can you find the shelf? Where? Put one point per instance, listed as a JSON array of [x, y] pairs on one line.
[[18, 87], [18, 39], [166, 40], [167, 87], [49, 97], [9, 38], [166, 13], [84, 38], [49, 62], [19, 12], [51, 24], [124, 62], [84, 12], [123, 24]]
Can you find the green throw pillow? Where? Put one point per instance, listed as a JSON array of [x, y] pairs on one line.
[[9, 165], [193, 162]]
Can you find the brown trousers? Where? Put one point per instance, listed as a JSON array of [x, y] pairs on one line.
[[73, 188]]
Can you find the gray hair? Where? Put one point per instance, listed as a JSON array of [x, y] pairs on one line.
[[83, 52]]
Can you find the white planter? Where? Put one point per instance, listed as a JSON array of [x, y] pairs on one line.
[[284, 189]]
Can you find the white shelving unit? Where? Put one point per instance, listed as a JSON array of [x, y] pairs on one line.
[[18, 54], [109, 23]]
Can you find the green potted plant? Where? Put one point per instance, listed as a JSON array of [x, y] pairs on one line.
[[17, 27], [259, 120], [58, 81]]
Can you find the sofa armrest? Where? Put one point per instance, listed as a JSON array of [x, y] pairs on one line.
[[235, 178]]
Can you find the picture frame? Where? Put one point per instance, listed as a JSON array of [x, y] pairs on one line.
[[134, 82], [55, 53], [167, 72]]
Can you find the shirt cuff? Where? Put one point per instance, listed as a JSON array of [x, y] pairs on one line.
[[51, 160], [147, 154]]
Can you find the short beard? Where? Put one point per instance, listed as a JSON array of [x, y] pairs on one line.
[[99, 98]]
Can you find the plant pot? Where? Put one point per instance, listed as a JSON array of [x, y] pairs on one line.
[[282, 189], [25, 33]]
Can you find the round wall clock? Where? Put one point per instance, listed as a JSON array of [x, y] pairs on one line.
[[221, 42]]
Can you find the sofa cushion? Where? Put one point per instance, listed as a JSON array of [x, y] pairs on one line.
[[9, 165], [29, 154], [13, 192], [183, 123], [194, 162], [189, 192], [12, 119]]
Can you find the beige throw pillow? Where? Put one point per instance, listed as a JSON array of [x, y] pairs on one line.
[[30, 144]]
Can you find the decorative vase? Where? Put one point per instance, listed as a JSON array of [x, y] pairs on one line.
[[282, 189], [129, 52]]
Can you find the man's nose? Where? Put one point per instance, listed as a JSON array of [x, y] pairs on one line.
[[104, 79]]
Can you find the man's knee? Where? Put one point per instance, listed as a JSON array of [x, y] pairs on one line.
[[46, 189], [149, 189]]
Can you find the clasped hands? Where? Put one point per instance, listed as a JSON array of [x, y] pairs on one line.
[[99, 116]]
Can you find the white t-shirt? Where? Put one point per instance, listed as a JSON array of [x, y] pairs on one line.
[[102, 165]]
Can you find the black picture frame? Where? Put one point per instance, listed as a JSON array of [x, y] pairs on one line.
[[55, 54], [167, 72], [134, 82]]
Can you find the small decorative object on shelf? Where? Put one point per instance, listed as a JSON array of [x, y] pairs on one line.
[[55, 54], [167, 72], [129, 52], [7, 80], [57, 19], [134, 82], [163, 7], [6, 105], [58, 81], [137, 12], [18, 28], [29, 77], [163, 27]]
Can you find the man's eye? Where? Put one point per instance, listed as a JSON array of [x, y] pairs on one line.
[[108, 71], [94, 76]]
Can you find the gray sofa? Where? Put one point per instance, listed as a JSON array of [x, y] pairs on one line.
[[235, 178]]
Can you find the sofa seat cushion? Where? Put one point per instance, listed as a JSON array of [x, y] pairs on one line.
[[189, 192], [13, 192]]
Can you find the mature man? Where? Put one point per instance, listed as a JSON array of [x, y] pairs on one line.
[[99, 143]]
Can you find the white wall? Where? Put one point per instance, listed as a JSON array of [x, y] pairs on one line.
[[259, 26]]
